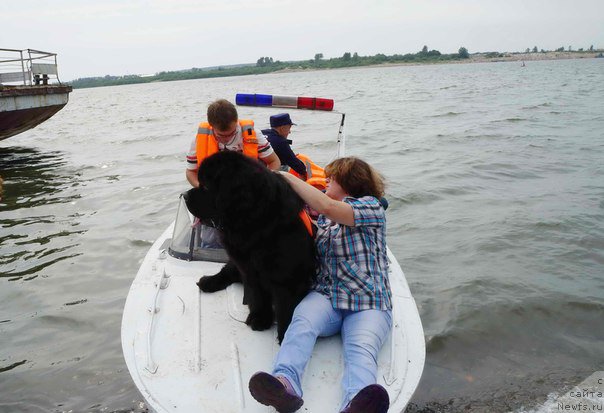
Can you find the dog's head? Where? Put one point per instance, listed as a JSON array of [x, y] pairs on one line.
[[202, 204], [232, 188]]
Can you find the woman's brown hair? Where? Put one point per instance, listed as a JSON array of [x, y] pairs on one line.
[[356, 177]]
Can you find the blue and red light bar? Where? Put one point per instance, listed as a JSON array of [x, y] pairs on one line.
[[248, 99]]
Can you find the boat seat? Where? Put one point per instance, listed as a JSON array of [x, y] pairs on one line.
[[44, 69]]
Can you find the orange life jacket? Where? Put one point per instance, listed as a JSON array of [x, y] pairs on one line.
[[307, 223], [315, 175], [207, 144]]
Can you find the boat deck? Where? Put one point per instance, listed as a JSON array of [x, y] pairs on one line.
[[7, 90]]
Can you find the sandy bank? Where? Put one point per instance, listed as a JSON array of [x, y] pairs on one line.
[[474, 58]]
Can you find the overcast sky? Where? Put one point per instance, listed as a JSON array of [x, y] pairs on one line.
[[96, 38]]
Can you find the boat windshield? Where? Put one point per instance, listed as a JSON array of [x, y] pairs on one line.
[[188, 238]]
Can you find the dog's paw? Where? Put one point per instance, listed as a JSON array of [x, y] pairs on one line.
[[259, 322], [211, 284]]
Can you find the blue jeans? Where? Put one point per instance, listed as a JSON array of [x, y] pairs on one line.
[[363, 334]]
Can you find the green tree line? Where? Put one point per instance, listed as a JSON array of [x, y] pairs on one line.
[[267, 64]]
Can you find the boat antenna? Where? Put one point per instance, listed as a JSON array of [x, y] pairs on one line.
[[341, 139]]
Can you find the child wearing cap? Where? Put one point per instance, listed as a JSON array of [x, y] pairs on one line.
[[281, 125]]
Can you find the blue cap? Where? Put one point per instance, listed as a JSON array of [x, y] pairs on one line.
[[280, 120]]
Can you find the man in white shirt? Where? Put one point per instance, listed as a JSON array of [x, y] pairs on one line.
[[225, 131]]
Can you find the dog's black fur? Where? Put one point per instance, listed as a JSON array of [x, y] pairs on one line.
[[270, 249]]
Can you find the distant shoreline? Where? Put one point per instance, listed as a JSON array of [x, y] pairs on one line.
[[474, 58], [417, 59], [516, 57]]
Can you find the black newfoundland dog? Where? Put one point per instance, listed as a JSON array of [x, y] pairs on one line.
[[270, 249]]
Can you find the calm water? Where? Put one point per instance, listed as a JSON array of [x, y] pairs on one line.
[[496, 187]]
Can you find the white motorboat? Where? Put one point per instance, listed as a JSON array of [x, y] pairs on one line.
[[189, 351]]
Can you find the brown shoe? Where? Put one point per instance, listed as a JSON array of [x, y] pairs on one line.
[[275, 391], [371, 399]]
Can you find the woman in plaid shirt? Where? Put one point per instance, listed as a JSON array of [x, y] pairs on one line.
[[351, 295]]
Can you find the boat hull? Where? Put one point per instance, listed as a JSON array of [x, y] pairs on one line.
[[191, 351], [25, 107]]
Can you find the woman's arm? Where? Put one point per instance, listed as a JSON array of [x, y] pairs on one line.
[[337, 211]]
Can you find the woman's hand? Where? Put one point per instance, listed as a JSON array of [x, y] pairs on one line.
[[335, 210]]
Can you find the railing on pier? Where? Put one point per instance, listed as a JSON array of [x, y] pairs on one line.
[[28, 67]]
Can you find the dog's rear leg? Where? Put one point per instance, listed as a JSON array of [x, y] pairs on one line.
[[228, 275]]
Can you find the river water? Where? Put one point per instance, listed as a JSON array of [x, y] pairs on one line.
[[495, 179]]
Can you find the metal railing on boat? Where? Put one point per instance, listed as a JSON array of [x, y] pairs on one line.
[[28, 67]]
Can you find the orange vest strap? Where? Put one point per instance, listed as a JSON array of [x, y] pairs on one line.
[[250, 140], [306, 221]]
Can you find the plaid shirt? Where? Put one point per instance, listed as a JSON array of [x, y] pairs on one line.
[[353, 263]]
